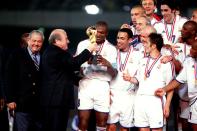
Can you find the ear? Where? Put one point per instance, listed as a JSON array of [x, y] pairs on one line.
[[56, 40], [155, 7], [130, 40], [194, 32], [154, 46], [173, 11], [28, 41]]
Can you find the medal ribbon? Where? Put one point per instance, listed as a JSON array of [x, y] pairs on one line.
[[195, 70], [145, 54], [122, 66], [185, 49], [100, 48], [147, 71], [170, 34]]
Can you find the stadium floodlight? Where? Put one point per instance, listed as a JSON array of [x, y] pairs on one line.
[[92, 9]]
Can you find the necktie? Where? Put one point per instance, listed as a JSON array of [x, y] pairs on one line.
[[35, 59]]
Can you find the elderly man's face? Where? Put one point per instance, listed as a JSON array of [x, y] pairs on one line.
[[35, 42]]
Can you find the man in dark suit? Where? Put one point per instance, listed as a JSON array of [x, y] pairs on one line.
[[58, 67], [4, 126], [23, 81]]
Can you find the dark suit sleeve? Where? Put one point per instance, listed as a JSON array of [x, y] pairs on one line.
[[75, 62]]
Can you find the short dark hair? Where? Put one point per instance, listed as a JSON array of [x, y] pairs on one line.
[[156, 39], [137, 6], [168, 3], [193, 24], [128, 31], [102, 23]]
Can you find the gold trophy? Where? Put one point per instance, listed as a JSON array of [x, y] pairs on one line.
[[91, 32]]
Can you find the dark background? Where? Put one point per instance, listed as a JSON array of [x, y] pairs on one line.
[[12, 30]]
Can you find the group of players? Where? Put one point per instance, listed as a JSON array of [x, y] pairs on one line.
[[126, 83]]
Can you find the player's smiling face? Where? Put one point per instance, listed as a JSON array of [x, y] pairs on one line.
[[101, 34], [135, 14], [167, 13], [148, 6], [186, 31], [123, 40], [35, 42]]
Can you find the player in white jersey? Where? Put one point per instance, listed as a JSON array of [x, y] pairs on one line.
[[188, 35], [150, 110], [181, 51], [150, 6], [136, 12], [145, 32], [187, 75], [93, 92], [121, 89], [141, 23], [171, 24]]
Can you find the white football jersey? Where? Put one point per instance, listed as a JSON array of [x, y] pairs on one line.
[[159, 75], [183, 51], [96, 71], [188, 75], [170, 32], [127, 62]]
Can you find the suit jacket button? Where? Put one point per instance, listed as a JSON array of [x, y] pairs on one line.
[[33, 92], [33, 83]]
